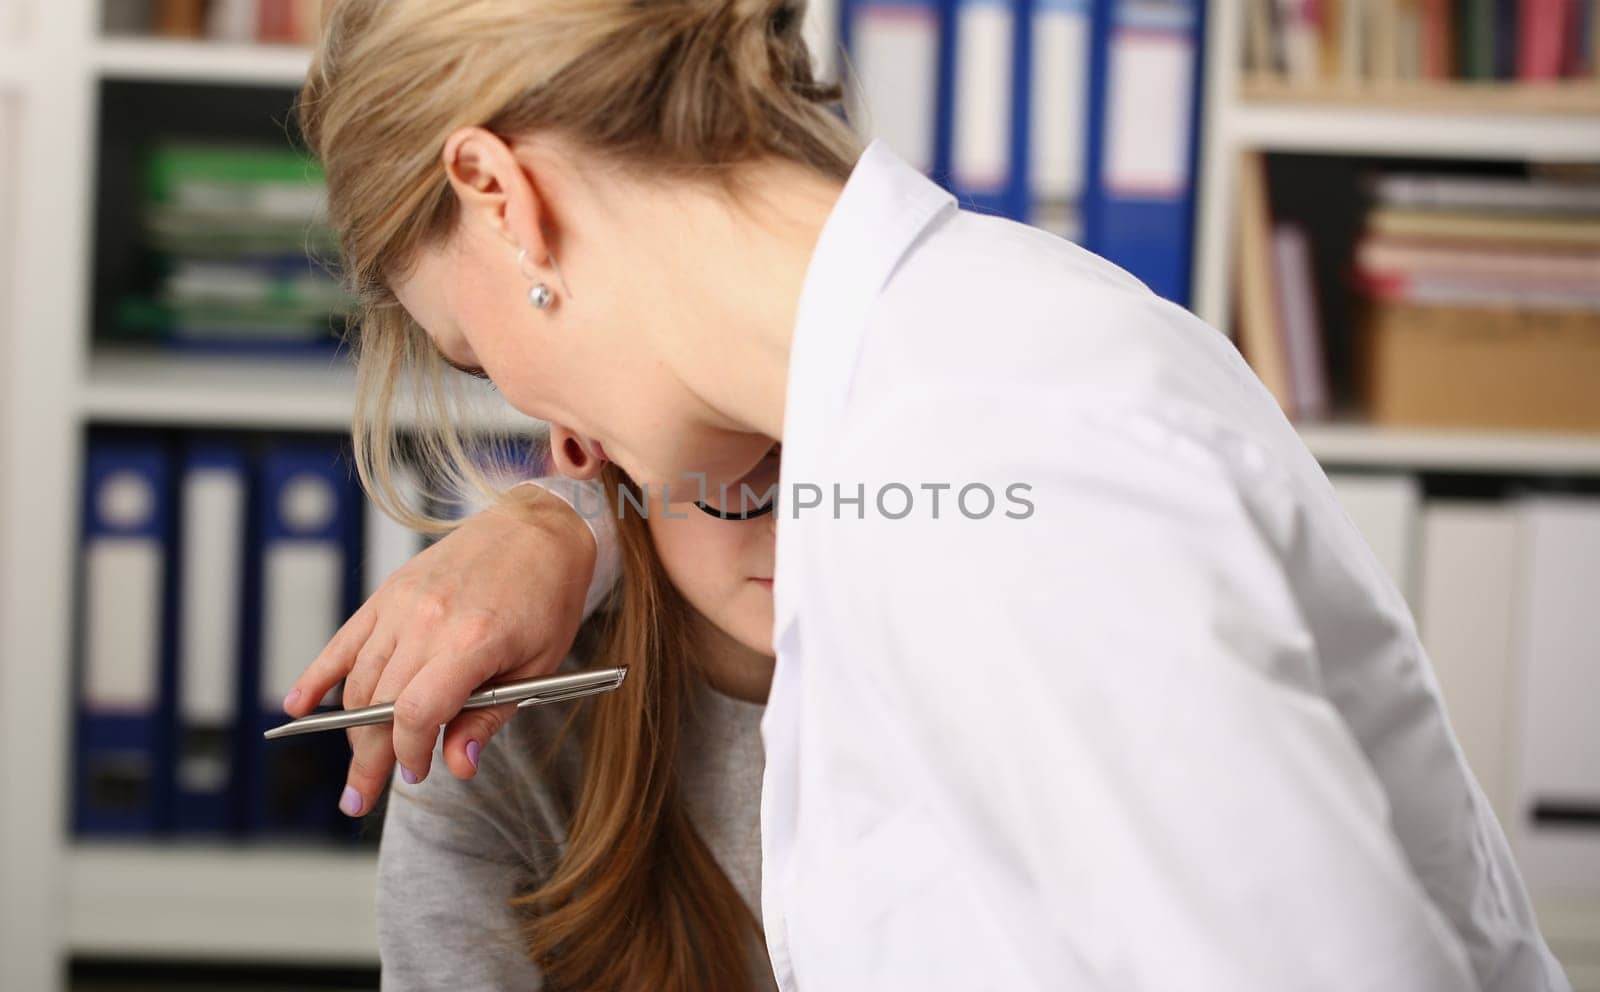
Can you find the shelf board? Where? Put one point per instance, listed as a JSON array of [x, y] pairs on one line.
[[1553, 97], [216, 901], [182, 60], [1495, 130], [1354, 444], [191, 390]]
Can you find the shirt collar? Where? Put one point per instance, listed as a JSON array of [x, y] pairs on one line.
[[885, 205]]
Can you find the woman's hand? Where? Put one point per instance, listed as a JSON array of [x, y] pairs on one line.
[[500, 597]]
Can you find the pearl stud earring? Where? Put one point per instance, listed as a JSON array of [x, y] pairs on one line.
[[540, 295]]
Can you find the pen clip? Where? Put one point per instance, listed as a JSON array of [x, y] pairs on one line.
[[556, 695]]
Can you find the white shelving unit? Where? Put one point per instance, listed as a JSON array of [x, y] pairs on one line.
[[1486, 126], [171, 899], [221, 902], [1445, 128], [45, 336]]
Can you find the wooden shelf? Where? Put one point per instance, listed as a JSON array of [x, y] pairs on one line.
[[206, 62], [1348, 444], [215, 901], [1554, 122], [136, 387], [1555, 97]]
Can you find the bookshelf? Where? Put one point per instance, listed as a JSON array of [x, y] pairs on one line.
[[1557, 122], [40, 440], [1480, 122], [178, 900], [226, 902]]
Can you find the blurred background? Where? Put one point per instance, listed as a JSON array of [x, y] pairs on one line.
[[1391, 206]]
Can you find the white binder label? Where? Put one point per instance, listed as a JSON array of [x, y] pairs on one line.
[[897, 59], [1147, 124], [301, 591], [1059, 125], [213, 571], [981, 162], [122, 611]]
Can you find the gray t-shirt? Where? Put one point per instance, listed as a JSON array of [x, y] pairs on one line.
[[453, 852]]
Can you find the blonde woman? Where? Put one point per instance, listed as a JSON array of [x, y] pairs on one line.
[[1083, 678], [532, 874]]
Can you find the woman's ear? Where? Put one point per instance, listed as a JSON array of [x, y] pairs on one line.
[[491, 182], [574, 455]]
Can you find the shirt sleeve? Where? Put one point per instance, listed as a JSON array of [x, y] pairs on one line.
[[588, 499], [1118, 702], [446, 871]]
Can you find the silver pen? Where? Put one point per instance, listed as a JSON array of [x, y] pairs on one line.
[[527, 692]]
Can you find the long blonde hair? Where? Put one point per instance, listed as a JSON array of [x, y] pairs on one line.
[[669, 90], [672, 90]]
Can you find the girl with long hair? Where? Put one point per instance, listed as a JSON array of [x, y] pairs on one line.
[[612, 842]]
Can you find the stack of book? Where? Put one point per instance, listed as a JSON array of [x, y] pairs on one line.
[[1482, 302], [239, 245], [294, 22], [1279, 320], [1476, 301], [1385, 41]]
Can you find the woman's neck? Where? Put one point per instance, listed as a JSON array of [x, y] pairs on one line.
[[731, 279], [729, 666]]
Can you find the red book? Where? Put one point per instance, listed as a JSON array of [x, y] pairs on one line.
[[275, 21], [1438, 34], [1539, 31], [1573, 62]]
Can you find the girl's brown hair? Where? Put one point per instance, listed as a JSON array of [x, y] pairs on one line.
[[666, 90], [637, 900]]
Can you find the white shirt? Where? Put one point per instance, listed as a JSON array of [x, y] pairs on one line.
[[1172, 729]]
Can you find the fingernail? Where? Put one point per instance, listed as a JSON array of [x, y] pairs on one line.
[[473, 750], [409, 775], [350, 802], [288, 700]]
